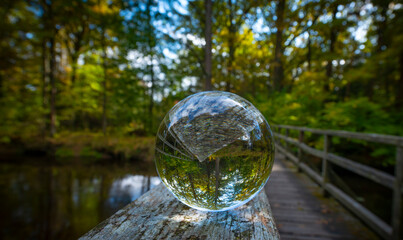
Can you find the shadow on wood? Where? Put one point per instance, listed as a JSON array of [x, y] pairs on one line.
[[159, 215]]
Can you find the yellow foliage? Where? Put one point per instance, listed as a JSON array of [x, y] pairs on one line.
[[295, 105]]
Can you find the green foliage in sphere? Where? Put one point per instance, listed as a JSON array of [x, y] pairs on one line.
[[214, 151]]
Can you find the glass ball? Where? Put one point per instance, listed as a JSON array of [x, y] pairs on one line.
[[214, 151]]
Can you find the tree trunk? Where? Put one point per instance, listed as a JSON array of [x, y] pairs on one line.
[[73, 81], [217, 179], [192, 186], [76, 54], [44, 86], [144, 109], [44, 75], [382, 26], [309, 54], [73, 69], [399, 89], [379, 69], [278, 69], [49, 23], [1, 84], [207, 49], [333, 36], [208, 175], [151, 105], [53, 91], [231, 32], [104, 96], [151, 68]]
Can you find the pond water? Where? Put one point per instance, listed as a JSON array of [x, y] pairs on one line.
[[65, 200]]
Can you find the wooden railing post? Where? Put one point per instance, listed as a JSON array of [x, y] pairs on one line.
[[301, 140], [397, 195], [277, 130], [287, 133], [325, 167]]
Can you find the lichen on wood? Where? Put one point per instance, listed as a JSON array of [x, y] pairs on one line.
[[159, 215]]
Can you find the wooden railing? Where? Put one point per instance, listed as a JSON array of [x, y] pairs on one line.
[[385, 230]]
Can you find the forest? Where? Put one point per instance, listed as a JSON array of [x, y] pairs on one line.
[[85, 84], [86, 74]]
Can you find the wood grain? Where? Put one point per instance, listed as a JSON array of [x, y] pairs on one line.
[[158, 215]]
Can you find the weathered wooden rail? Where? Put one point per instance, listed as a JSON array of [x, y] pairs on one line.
[[159, 215], [385, 230]]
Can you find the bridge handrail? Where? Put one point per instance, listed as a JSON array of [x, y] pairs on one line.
[[372, 137], [394, 182]]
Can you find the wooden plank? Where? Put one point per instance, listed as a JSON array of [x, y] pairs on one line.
[[375, 175], [377, 224], [159, 215], [372, 137], [303, 146], [397, 195]]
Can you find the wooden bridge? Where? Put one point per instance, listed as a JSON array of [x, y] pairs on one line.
[[302, 214], [305, 203], [394, 182]]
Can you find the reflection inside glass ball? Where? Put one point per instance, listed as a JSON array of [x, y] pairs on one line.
[[214, 151]]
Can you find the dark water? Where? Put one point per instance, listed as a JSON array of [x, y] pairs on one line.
[[66, 200]]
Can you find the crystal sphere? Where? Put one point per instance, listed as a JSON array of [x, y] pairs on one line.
[[214, 151]]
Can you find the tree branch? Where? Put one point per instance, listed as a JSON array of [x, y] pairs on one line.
[[303, 31]]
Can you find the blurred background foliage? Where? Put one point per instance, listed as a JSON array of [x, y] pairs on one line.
[[113, 68]]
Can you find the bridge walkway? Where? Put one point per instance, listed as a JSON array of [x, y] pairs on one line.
[[300, 211]]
